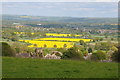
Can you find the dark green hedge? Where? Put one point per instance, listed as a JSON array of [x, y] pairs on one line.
[[7, 50]]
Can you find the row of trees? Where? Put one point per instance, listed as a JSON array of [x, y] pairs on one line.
[[55, 46], [9, 36], [7, 50], [76, 52], [100, 51], [15, 48]]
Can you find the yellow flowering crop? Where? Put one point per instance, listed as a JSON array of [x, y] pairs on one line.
[[32, 33], [24, 16], [55, 42], [64, 39], [22, 33], [64, 35], [19, 32], [49, 44]]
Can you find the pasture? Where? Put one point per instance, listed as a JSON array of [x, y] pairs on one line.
[[42, 68]]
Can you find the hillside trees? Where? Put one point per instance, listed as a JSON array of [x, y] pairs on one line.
[[65, 45], [81, 42], [73, 53], [99, 55], [55, 46], [21, 48], [116, 54], [45, 45], [103, 46], [90, 50], [7, 50], [9, 35]]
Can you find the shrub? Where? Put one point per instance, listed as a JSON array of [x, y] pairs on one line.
[[7, 50], [65, 45], [46, 51], [99, 55], [113, 48], [73, 53], [61, 49], [103, 46], [90, 50], [115, 56], [45, 45], [17, 50], [21, 48], [101, 39], [82, 42], [55, 46], [84, 52]]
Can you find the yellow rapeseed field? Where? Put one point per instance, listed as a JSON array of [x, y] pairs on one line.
[[25, 16], [19, 32], [20, 26], [64, 35], [49, 44], [64, 39], [55, 42], [23, 33]]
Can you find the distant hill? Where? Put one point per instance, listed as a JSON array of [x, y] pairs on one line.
[[59, 22], [59, 19]]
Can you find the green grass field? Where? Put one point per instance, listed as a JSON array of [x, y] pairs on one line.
[[40, 68]]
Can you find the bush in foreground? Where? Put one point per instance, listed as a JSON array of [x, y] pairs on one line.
[[7, 50], [72, 53], [116, 55], [99, 55]]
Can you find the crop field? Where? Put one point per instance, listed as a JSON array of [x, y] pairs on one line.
[[22, 33], [65, 35], [65, 39], [42, 68], [54, 42], [50, 44]]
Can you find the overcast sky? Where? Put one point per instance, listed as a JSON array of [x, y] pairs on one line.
[[68, 9]]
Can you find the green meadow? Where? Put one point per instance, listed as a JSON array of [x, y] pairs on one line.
[[42, 68]]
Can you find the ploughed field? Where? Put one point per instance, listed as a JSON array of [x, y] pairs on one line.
[[43, 68]]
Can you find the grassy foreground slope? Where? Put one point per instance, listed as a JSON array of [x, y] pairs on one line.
[[40, 68]]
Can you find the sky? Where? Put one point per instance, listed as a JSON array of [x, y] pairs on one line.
[[60, 0], [62, 9]]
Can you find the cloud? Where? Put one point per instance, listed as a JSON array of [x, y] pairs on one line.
[[73, 9], [84, 9], [115, 9], [79, 9]]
